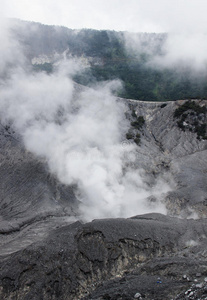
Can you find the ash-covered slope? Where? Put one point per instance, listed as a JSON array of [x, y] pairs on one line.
[[116, 258], [110, 259], [172, 141], [32, 201]]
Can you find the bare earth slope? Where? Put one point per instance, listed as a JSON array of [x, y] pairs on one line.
[[45, 254], [165, 147], [30, 197]]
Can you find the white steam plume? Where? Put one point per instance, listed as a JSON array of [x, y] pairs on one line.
[[80, 136]]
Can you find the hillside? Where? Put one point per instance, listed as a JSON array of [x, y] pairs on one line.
[[111, 55]]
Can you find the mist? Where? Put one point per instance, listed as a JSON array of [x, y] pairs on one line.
[[80, 133], [183, 25], [174, 50], [185, 50]]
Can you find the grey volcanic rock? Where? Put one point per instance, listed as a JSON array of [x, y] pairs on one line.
[[109, 259], [29, 194], [167, 149], [45, 254]]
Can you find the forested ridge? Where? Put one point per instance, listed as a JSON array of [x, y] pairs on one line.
[[110, 57], [141, 81]]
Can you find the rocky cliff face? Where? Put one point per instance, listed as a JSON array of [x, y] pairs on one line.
[[44, 256]]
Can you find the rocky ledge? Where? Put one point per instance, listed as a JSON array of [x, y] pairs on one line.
[[145, 257]]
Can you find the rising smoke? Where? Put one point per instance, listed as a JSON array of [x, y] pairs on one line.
[[80, 132]]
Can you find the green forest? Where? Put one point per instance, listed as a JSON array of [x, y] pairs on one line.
[[109, 59]]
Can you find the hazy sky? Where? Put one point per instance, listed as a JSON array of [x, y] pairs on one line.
[[130, 15]]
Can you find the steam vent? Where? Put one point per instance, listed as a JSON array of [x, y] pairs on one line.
[[103, 166]]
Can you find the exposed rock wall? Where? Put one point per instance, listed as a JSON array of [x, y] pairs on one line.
[[77, 259]]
